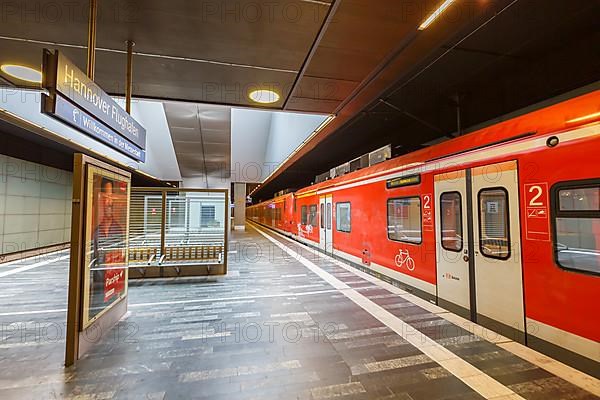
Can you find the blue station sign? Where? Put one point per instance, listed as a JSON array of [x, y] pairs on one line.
[[84, 122]]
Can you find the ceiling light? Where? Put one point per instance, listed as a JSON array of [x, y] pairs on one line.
[[264, 96], [435, 14], [584, 118], [23, 73]]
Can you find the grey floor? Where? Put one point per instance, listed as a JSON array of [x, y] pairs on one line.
[[271, 329]]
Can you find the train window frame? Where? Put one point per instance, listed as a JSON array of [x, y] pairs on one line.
[[322, 216], [462, 239], [508, 222], [313, 211], [556, 212], [387, 211], [303, 215], [337, 213]]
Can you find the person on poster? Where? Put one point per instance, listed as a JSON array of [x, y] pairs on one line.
[[108, 242]]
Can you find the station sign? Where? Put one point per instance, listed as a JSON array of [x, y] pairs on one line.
[[403, 181], [68, 84]]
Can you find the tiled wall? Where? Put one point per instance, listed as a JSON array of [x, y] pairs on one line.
[[35, 205]]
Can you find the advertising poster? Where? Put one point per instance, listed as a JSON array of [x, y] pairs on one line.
[[106, 241]]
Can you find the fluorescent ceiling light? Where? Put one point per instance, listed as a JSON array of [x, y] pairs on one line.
[[23, 73], [264, 96], [584, 118], [435, 14]]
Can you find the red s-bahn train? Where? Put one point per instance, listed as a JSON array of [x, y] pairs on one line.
[[501, 226]]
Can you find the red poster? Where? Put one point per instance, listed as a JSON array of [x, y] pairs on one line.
[[106, 241]]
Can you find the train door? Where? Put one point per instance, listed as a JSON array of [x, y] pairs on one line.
[[491, 252], [497, 238], [325, 224], [453, 275]]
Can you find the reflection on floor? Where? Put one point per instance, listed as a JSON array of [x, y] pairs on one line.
[[272, 329]]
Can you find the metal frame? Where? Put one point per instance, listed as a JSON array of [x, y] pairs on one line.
[[74, 348]]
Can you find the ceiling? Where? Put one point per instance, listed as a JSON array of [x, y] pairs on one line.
[[315, 53], [215, 52], [201, 137], [362, 60], [515, 55]]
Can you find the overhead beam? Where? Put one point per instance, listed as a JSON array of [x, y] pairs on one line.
[[328, 19]]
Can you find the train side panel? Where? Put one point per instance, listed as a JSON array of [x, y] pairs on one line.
[[374, 244], [565, 299]]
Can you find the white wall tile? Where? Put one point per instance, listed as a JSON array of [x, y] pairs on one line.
[[3, 179], [52, 222], [47, 238], [67, 235], [21, 205], [20, 241], [67, 221], [35, 205], [52, 190], [52, 206], [21, 223], [68, 206], [52, 175], [17, 186]]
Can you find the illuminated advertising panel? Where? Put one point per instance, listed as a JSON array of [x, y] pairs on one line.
[[106, 241]]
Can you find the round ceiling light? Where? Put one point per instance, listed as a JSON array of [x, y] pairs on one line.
[[264, 96], [23, 73]]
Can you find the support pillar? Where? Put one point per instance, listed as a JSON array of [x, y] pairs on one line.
[[239, 202]]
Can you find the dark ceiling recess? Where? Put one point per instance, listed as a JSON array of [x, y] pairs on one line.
[[531, 52], [22, 143]]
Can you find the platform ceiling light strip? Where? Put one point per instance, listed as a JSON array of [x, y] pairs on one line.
[[22, 72], [584, 118], [319, 128], [435, 15]]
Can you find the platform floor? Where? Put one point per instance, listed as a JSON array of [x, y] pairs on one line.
[[284, 324]]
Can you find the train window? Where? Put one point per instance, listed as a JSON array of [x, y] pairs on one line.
[[494, 234], [451, 213], [404, 219], [328, 222], [577, 226], [342, 217], [579, 199], [303, 215], [312, 215], [322, 215]]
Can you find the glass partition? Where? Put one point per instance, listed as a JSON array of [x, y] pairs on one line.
[[176, 228]]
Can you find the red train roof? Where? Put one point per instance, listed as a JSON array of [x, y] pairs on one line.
[[557, 117]]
